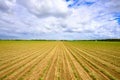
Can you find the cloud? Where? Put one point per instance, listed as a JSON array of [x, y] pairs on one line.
[[6, 5], [55, 19], [45, 8], [113, 5]]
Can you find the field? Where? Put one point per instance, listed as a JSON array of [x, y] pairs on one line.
[[59, 60]]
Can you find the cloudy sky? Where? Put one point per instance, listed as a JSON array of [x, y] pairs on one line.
[[59, 19]]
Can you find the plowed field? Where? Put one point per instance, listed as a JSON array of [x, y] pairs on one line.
[[59, 60]]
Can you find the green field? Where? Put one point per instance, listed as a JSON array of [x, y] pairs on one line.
[[59, 60]]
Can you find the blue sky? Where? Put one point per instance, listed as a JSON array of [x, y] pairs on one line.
[[59, 19]]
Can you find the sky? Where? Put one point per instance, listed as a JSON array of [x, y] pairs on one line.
[[59, 19]]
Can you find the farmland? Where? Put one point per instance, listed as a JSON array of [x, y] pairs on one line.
[[59, 60]]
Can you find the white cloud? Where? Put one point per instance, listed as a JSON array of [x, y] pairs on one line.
[[113, 5], [7, 5], [54, 20], [43, 8]]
